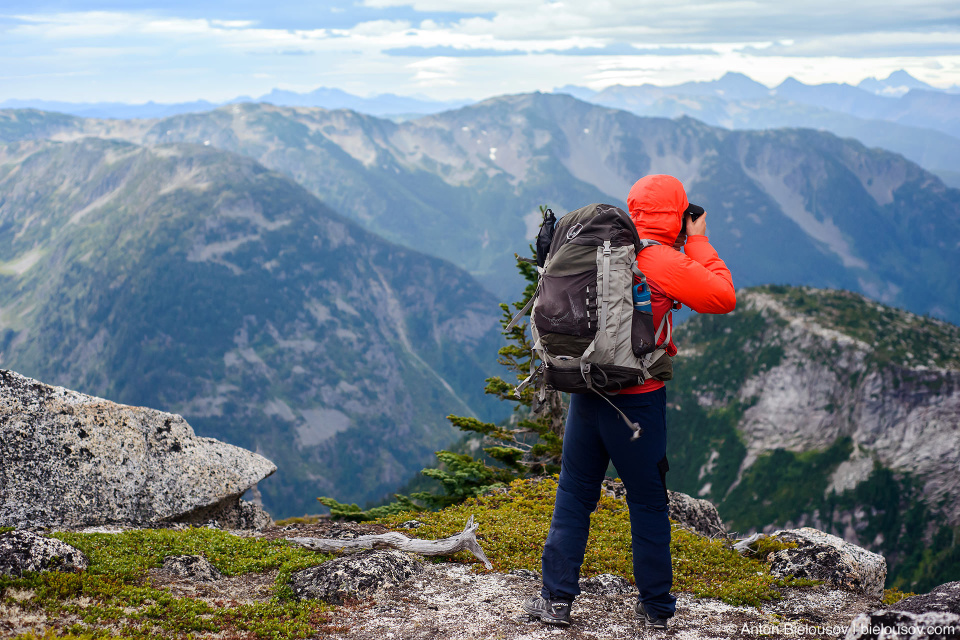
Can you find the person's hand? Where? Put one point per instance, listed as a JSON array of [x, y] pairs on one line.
[[680, 241], [696, 227]]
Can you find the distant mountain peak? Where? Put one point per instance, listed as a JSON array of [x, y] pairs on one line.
[[581, 93], [736, 76], [790, 82], [896, 84]]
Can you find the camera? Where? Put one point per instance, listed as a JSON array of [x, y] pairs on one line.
[[694, 211]]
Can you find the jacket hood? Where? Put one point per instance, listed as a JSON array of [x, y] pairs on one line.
[[656, 206]]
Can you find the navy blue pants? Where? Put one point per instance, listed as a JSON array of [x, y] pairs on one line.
[[594, 435]]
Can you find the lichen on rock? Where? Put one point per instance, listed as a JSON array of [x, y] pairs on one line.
[[825, 557], [191, 567], [22, 551], [354, 576], [72, 460]]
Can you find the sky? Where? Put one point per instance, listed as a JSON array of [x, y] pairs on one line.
[[181, 50]]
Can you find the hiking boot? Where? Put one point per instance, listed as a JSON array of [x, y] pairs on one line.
[[650, 621], [549, 611]]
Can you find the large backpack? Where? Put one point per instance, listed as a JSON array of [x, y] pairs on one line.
[[587, 332]]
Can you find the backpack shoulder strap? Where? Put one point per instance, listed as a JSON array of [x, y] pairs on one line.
[[664, 321]]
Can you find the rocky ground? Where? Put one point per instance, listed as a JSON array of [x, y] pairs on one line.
[[456, 601], [450, 601]]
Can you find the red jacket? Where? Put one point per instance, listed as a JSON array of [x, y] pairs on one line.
[[696, 277]]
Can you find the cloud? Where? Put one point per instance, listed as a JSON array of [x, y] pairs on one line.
[[233, 24], [878, 45], [497, 46], [434, 72], [451, 52], [621, 49]]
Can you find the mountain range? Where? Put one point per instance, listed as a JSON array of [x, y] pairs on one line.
[[899, 113], [384, 104], [191, 279], [871, 112], [787, 206]]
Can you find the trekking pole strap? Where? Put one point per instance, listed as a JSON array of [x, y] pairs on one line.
[[516, 319], [530, 379]]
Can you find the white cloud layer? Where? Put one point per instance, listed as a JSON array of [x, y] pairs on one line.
[[486, 47]]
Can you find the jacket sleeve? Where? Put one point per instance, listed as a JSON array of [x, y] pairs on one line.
[[699, 278]]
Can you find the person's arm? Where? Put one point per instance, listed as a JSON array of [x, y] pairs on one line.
[[698, 278]]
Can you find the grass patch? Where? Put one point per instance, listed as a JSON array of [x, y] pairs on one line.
[[298, 520], [116, 598], [893, 596], [513, 528]]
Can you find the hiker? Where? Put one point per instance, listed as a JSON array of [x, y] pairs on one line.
[[685, 268]]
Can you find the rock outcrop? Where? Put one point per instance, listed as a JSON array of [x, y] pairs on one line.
[[354, 576], [606, 584], [72, 460], [696, 514], [26, 551], [945, 598], [903, 415], [196, 568], [825, 557], [930, 616]]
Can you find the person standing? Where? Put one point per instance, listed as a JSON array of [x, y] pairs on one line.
[[686, 269]]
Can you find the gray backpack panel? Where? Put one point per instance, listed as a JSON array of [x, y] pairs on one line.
[[585, 328]]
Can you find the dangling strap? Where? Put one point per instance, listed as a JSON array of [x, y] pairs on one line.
[[523, 312], [533, 378], [588, 379]]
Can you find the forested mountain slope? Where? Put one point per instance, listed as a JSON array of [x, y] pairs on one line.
[[193, 280], [823, 408]]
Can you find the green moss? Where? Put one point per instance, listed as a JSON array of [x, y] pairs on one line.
[[513, 528], [116, 591], [765, 546]]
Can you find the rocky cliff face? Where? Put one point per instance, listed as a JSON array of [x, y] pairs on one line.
[[824, 408], [194, 280], [829, 385]]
